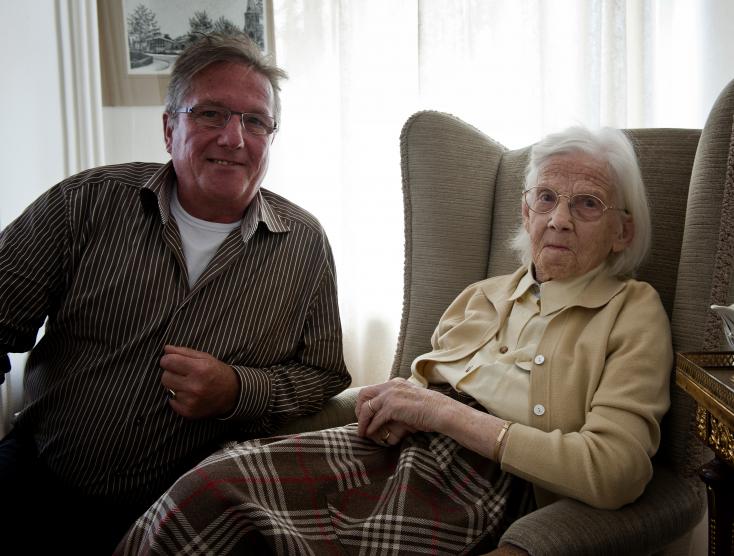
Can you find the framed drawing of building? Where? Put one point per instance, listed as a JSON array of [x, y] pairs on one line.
[[140, 40]]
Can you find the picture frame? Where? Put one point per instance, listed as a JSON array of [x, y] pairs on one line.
[[135, 71]]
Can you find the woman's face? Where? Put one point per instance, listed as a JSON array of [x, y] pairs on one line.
[[563, 246]]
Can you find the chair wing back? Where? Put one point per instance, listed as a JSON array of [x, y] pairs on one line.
[[704, 271], [449, 170], [704, 274]]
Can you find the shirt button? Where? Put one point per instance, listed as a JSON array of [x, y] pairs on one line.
[[539, 409], [539, 359], [139, 420], [503, 349]]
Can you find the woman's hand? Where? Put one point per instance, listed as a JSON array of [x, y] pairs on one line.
[[388, 412]]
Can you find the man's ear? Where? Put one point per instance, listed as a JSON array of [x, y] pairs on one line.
[[167, 131], [626, 234]]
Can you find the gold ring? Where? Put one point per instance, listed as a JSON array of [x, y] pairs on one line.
[[171, 394], [369, 404], [384, 438]]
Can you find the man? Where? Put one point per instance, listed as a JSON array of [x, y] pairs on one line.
[[186, 306]]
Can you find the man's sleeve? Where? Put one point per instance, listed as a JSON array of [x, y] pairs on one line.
[[271, 396], [32, 251]]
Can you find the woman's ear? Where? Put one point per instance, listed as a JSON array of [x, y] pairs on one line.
[[525, 216], [625, 235]]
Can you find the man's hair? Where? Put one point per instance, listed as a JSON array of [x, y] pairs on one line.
[[213, 48], [609, 146]]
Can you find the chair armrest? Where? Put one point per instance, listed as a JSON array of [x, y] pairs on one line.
[[669, 508], [336, 412]]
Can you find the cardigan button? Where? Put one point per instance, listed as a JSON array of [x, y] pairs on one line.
[[539, 409], [503, 349], [539, 359]]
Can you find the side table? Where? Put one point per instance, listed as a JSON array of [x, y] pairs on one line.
[[708, 377]]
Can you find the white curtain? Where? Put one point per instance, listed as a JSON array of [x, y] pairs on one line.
[[81, 90], [516, 69]]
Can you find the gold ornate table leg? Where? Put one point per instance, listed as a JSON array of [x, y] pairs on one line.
[[719, 479], [718, 475]]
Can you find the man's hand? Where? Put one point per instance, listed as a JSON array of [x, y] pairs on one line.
[[204, 386]]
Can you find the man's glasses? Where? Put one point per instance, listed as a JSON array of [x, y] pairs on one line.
[[583, 206], [218, 116]]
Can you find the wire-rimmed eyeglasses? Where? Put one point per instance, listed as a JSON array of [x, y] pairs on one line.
[[582, 206], [217, 116]]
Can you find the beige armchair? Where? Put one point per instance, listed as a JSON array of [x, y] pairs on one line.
[[462, 204]]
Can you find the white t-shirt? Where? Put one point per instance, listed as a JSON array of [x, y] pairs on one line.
[[200, 238]]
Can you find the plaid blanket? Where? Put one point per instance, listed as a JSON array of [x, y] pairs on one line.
[[333, 492]]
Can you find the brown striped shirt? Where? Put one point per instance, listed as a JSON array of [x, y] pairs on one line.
[[101, 257]]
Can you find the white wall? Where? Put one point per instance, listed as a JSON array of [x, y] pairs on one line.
[[32, 133], [133, 134]]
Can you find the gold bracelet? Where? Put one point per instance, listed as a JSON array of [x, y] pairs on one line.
[[501, 437]]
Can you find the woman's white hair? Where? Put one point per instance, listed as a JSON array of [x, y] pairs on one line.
[[607, 145]]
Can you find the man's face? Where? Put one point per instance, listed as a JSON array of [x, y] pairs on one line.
[[563, 246], [219, 170]]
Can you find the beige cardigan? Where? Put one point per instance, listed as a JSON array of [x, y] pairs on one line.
[[596, 396]]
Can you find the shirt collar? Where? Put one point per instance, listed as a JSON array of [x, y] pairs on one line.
[[260, 210], [600, 289], [559, 294], [158, 189], [526, 283]]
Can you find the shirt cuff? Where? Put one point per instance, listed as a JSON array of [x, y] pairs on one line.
[[418, 380], [254, 396]]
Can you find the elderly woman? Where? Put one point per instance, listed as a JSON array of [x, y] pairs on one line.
[[549, 382]]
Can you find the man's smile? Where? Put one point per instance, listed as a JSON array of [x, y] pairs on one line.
[[225, 162]]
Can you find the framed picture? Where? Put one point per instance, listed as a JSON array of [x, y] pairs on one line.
[[140, 40]]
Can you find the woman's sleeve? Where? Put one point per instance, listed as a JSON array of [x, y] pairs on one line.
[[607, 462]]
